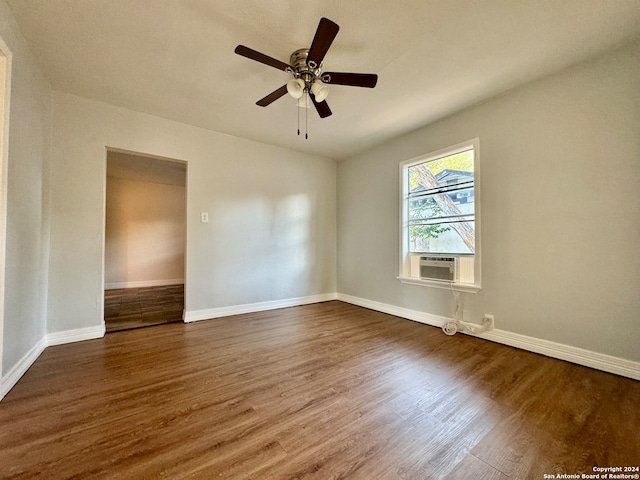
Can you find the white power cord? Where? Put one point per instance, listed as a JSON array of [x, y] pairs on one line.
[[457, 325], [450, 328]]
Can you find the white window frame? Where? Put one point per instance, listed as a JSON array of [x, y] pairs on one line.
[[405, 255]]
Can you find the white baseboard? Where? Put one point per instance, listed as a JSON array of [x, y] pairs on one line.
[[209, 313], [580, 356], [56, 338], [20, 368], [422, 317], [77, 335], [587, 358], [144, 283]]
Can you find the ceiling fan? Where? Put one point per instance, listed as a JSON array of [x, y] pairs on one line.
[[305, 65]]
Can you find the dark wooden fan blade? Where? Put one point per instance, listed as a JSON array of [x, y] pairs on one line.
[[272, 97], [260, 57], [322, 107], [368, 80], [326, 32]]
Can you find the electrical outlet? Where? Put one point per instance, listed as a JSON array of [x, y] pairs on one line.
[[204, 217], [488, 320]]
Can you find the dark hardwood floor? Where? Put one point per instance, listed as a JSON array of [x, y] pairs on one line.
[[325, 391], [129, 308]]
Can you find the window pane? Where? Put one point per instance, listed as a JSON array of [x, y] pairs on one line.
[[445, 237], [450, 170], [442, 205], [423, 207]]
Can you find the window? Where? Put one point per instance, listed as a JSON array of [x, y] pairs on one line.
[[440, 219]]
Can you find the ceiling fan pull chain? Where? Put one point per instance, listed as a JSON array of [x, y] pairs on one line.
[[298, 120], [306, 108]]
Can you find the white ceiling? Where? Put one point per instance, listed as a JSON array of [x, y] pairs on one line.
[[174, 58]]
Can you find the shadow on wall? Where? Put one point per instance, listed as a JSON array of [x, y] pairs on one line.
[[264, 248]]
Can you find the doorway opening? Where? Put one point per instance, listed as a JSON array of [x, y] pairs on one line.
[[145, 240]]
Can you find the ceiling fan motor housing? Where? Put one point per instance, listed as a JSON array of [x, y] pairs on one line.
[[298, 62]]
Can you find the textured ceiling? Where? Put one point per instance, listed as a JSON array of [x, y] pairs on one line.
[[174, 58]]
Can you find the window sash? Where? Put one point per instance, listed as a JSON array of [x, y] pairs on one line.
[[437, 221], [454, 187], [419, 208]]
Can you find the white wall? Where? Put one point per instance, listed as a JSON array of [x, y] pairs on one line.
[[145, 233], [560, 177], [27, 234], [272, 212]]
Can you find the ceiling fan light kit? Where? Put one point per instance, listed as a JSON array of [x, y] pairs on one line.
[[296, 87], [303, 101], [319, 91], [305, 65]]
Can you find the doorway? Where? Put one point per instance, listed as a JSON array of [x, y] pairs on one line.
[[145, 240]]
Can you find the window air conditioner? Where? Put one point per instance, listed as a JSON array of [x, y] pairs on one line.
[[443, 269]]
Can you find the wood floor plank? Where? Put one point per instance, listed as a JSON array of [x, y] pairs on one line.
[[473, 468], [321, 391], [128, 308]]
